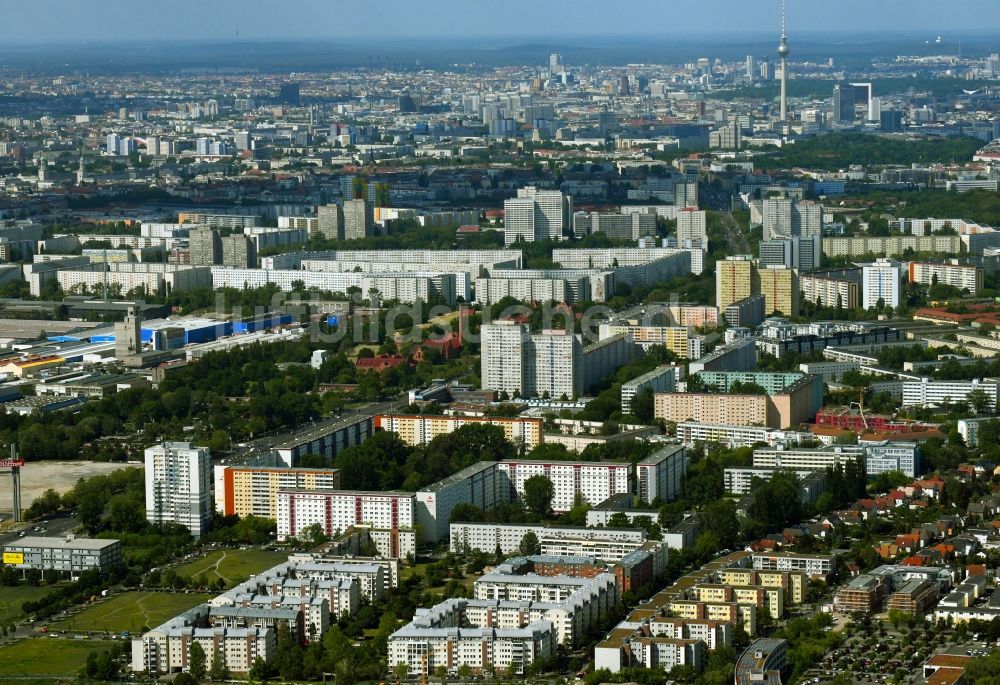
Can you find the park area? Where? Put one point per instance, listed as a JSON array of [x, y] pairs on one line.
[[46, 658], [129, 612], [231, 565], [11, 599]]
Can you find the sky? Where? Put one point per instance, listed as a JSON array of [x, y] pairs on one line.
[[61, 21]]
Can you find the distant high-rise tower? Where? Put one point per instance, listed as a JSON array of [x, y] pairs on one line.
[[128, 333], [783, 54], [555, 64]]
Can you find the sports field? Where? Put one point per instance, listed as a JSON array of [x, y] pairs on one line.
[[232, 565], [44, 656], [130, 611], [11, 599]]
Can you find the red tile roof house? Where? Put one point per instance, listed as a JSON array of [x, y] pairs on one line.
[[380, 363]]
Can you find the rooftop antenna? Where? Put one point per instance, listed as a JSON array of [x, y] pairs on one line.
[[783, 53]]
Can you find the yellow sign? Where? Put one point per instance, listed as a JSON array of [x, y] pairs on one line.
[[13, 557]]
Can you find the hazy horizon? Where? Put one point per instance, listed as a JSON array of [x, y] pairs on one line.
[[72, 22]]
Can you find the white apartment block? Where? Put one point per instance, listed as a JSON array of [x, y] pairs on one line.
[[632, 265], [806, 459], [148, 276], [590, 482], [571, 618], [810, 564], [462, 272], [488, 537], [777, 217], [434, 260], [890, 455], [659, 652], [484, 650], [165, 649], [305, 592], [609, 551], [476, 485], [739, 480], [692, 432], [830, 371], [879, 457], [314, 571], [892, 245], [552, 363], [929, 392], [338, 510], [962, 276], [179, 486], [405, 287], [880, 281], [505, 346], [662, 379], [165, 230], [828, 292], [691, 226], [600, 591], [537, 215], [661, 475], [492, 290], [310, 224]]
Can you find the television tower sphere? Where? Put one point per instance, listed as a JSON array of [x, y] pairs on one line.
[[783, 50]]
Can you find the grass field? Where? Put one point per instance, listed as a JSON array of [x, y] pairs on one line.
[[232, 565], [11, 599], [130, 611], [44, 656]]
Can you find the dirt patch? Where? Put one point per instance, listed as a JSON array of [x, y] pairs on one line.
[[61, 476]]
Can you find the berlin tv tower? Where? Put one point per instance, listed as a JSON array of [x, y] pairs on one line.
[[783, 53]]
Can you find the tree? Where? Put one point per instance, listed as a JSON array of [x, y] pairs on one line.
[[619, 520], [258, 672], [529, 544], [314, 534], [185, 679], [219, 670], [642, 406], [980, 402], [196, 661], [719, 520], [538, 494]]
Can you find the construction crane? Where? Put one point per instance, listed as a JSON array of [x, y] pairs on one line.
[[861, 406]]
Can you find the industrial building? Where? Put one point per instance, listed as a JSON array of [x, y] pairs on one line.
[[70, 554]]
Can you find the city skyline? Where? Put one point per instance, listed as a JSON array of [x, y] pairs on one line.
[[312, 20]]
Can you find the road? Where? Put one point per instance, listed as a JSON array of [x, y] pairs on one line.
[[54, 526], [735, 235]]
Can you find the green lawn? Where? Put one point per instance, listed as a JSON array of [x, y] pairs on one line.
[[11, 599], [44, 656], [232, 565], [130, 611]]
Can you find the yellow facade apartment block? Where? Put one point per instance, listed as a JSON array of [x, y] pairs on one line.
[[743, 614], [780, 288], [674, 338], [793, 584], [420, 429], [735, 410], [733, 281]]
